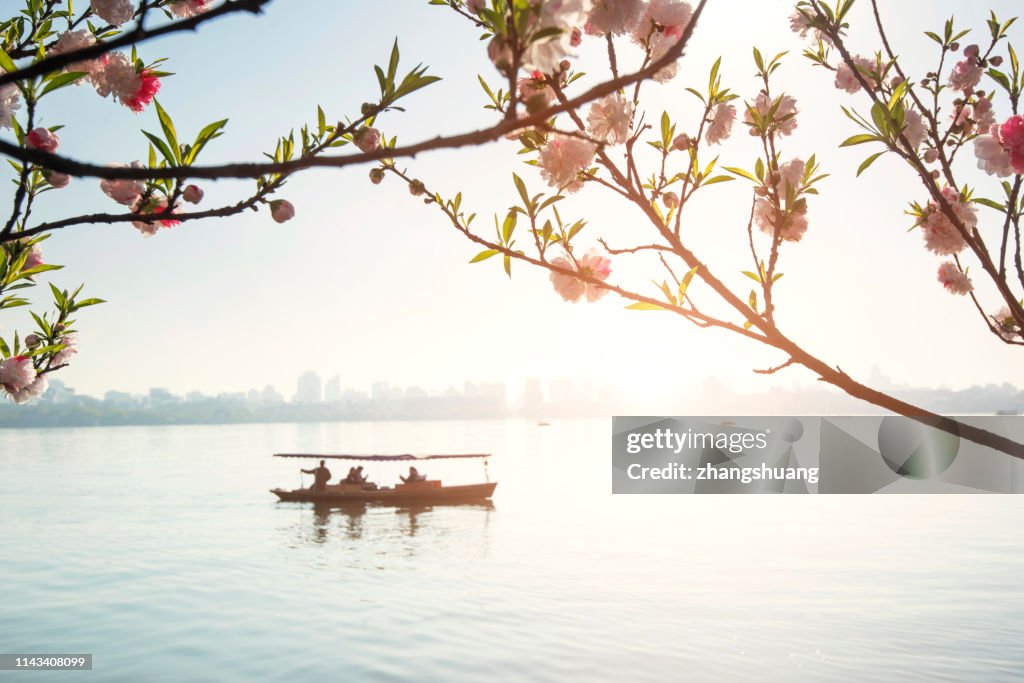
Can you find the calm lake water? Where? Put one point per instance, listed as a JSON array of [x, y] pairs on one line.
[[160, 551]]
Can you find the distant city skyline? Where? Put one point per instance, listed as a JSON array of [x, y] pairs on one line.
[[314, 400]]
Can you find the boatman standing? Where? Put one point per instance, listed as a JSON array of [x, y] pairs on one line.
[[321, 475]]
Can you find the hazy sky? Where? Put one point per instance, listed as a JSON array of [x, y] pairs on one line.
[[369, 283]]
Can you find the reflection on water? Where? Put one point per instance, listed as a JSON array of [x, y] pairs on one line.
[[160, 551], [348, 520]]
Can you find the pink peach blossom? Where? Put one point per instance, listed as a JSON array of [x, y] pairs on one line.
[[16, 372], [114, 12], [785, 114], [1011, 135], [721, 124], [116, 75], [124, 191], [614, 17], [190, 8], [954, 280], [154, 207], [69, 351], [592, 265], [563, 158], [609, 119], [661, 26], [846, 77], [966, 74], [940, 234], [71, 41], [34, 390]]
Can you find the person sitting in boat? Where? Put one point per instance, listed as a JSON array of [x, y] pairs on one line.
[[414, 476], [321, 475], [355, 476]]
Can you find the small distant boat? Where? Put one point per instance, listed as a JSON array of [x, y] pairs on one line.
[[421, 492]]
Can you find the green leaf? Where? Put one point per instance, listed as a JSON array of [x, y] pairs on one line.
[[521, 186], [740, 172], [46, 267], [162, 146], [509, 226], [62, 80], [393, 63], [859, 140], [867, 162], [169, 133], [6, 63], [644, 306], [990, 204], [684, 284], [208, 133], [484, 255], [880, 115]]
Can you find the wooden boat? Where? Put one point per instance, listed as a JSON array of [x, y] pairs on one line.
[[399, 495], [419, 492]]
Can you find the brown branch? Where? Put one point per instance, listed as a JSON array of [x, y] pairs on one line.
[[972, 238], [255, 170], [632, 250], [773, 370], [135, 36]]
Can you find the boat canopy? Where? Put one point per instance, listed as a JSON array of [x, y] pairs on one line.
[[382, 458]]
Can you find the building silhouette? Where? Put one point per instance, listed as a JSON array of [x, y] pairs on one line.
[[309, 389]]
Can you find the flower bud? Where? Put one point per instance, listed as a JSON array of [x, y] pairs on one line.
[[34, 257], [954, 47], [376, 175], [930, 156], [281, 210], [368, 109], [193, 194], [42, 139], [671, 200], [971, 50], [996, 60], [682, 142], [32, 340], [56, 178], [367, 139], [416, 188], [500, 54]]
